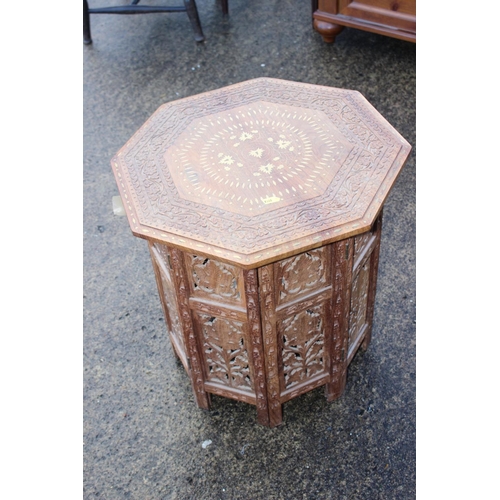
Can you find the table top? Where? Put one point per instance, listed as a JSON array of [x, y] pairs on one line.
[[258, 171]]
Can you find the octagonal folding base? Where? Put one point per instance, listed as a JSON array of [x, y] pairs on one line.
[[267, 335]]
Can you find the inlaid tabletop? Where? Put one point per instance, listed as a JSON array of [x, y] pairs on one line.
[[258, 171]]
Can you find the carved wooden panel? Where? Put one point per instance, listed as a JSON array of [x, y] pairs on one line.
[[296, 323], [258, 171], [359, 303], [167, 290], [361, 243], [270, 342], [303, 346], [215, 280], [342, 258], [255, 333], [225, 352], [302, 274], [191, 339]]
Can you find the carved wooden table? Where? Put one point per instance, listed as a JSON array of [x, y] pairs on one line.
[[261, 204]]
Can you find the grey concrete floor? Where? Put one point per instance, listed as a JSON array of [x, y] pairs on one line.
[[143, 433]]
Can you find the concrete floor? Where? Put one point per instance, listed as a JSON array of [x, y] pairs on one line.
[[143, 433]]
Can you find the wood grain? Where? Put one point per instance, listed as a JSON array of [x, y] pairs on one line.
[[394, 18], [259, 171], [261, 204]]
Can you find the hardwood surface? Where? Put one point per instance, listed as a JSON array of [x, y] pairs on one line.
[[262, 206], [265, 336], [394, 18], [258, 171]]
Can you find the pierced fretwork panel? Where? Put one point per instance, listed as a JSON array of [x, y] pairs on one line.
[[302, 274], [359, 302], [225, 351], [303, 345], [169, 296], [214, 280], [361, 242]]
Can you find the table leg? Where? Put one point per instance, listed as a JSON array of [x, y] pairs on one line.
[[257, 352], [328, 31], [86, 23], [343, 253], [372, 287], [270, 338], [190, 340], [192, 13]]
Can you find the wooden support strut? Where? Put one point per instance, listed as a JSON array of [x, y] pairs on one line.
[[372, 287], [256, 348], [270, 336], [190, 340], [343, 255]]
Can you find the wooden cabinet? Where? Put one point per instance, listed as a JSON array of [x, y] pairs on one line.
[[394, 18]]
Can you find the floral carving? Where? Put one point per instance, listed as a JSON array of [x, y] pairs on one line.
[[303, 346], [359, 302], [225, 352], [374, 155], [301, 274], [214, 279], [169, 295]]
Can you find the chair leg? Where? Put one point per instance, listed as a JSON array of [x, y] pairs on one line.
[[192, 13], [225, 8], [86, 24]]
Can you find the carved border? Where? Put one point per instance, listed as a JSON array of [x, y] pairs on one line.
[[354, 116], [256, 352], [268, 308], [343, 255], [193, 351], [372, 287], [177, 345]]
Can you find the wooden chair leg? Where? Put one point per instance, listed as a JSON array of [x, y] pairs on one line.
[[86, 24], [192, 13]]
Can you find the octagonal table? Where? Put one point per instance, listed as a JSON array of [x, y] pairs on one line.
[[261, 203]]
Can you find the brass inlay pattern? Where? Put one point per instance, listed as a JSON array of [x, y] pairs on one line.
[[262, 154]]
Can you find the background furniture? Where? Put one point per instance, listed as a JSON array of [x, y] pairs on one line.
[[261, 204], [394, 18], [189, 7]]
